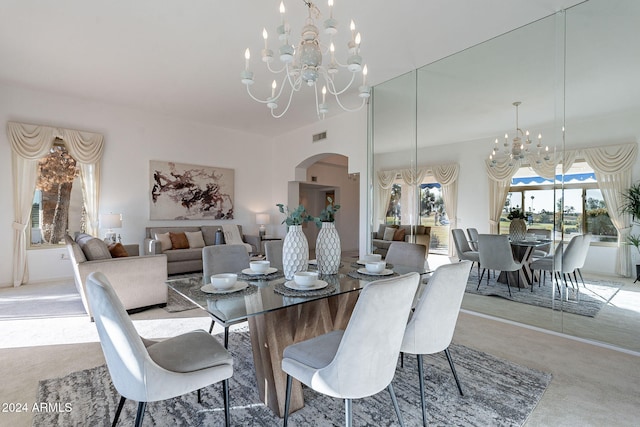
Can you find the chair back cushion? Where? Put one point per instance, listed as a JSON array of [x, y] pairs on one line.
[[223, 259], [273, 253], [573, 253], [495, 253], [460, 241], [473, 238], [93, 248], [366, 359], [431, 326], [409, 254]]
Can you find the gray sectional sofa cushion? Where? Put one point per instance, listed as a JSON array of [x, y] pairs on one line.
[[421, 235]]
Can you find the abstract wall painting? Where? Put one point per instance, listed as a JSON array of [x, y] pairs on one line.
[[181, 191]]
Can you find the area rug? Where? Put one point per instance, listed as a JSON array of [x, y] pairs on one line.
[[41, 301], [588, 301], [175, 301], [497, 393]]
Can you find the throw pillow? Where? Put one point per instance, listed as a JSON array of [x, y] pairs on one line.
[[95, 249], [117, 250], [389, 233], [179, 241], [195, 238], [165, 241], [399, 234]]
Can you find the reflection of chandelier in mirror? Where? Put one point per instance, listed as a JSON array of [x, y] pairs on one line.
[[304, 63], [519, 148]]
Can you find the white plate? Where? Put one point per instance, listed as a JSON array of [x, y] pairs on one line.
[[250, 272], [291, 284], [385, 272], [235, 288], [313, 262]]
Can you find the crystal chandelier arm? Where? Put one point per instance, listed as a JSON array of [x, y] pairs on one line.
[[351, 110], [276, 71], [277, 116], [256, 99]]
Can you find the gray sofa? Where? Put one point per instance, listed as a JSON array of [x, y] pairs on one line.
[[381, 246], [189, 259], [139, 281]]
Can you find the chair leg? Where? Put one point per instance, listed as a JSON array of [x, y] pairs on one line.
[[199, 396], [453, 369], [226, 337], [480, 280], [211, 327], [508, 285], [286, 401], [225, 397], [395, 404], [348, 418], [140, 414], [421, 382], [120, 405], [401, 359], [581, 278]]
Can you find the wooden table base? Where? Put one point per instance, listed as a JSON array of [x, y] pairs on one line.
[[272, 332]]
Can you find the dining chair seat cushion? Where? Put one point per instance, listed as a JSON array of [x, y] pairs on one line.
[[204, 351], [545, 263], [316, 352]]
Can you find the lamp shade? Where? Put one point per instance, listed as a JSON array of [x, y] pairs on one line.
[[262, 219], [111, 220]]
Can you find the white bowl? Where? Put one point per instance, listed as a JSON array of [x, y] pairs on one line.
[[259, 266], [223, 281], [372, 257], [305, 278], [375, 266]]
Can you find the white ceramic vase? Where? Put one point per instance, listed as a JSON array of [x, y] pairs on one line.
[[295, 252], [517, 229], [328, 250]]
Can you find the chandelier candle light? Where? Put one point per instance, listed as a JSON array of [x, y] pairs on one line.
[[520, 145], [304, 64]]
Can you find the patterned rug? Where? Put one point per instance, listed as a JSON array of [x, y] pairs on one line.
[[497, 393], [588, 301]]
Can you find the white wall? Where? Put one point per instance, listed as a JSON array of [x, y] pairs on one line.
[[132, 138]]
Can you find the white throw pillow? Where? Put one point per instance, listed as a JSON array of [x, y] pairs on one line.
[[195, 239], [165, 241], [388, 233]]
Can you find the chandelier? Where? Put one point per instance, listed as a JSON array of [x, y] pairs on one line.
[[518, 147], [303, 64]]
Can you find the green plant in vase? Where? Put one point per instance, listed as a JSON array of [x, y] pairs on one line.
[[327, 214], [298, 216], [516, 213], [631, 206]]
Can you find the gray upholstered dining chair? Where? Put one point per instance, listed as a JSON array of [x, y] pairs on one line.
[[495, 254], [223, 259], [541, 233], [563, 262], [356, 363], [582, 258], [473, 238], [430, 328], [463, 250], [148, 371], [273, 253], [407, 254]]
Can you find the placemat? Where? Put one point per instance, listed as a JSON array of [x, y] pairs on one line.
[[196, 292], [356, 265], [355, 275], [281, 289], [258, 277]]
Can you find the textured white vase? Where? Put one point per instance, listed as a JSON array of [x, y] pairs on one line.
[[295, 252], [328, 250], [517, 229]]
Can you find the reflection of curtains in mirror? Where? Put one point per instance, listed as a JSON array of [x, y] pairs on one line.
[[447, 176], [385, 182], [29, 143], [410, 194], [612, 166]]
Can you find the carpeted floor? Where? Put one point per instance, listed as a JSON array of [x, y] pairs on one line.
[[587, 302], [497, 393]]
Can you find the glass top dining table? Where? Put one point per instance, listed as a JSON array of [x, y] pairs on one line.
[[267, 293]]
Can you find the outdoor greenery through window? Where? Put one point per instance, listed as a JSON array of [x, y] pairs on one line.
[[431, 212], [579, 199], [57, 203]]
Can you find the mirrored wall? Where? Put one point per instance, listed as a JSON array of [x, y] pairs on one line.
[[573, 76]]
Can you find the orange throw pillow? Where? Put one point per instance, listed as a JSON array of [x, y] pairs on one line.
[[117, 250], [179, 241], [399, 234]]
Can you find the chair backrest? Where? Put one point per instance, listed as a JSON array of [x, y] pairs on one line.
[[431, 327], [473, 238], [124, 350], [572, 254], [584, 250], [408, 254], [366, 359], [223, 259], [273, 253], [460, 241], [495, 252]]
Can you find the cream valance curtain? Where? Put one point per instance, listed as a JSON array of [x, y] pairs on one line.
[[612, 166], [446, 175], [29, 143]]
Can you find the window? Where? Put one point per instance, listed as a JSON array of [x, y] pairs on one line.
[[579, 200], [57, 202]]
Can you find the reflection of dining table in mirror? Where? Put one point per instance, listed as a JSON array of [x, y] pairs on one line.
[[279, 316], [523, 252]]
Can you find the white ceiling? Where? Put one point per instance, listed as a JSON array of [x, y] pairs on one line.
[[183, 58]]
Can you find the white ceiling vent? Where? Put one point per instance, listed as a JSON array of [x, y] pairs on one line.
[[319, 136]]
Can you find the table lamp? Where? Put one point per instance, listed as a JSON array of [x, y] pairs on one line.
[[110, 221], [262, 219]]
